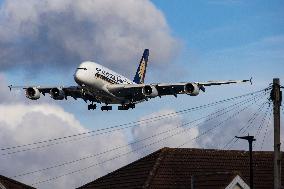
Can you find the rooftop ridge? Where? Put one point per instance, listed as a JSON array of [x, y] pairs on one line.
[[217, 150]]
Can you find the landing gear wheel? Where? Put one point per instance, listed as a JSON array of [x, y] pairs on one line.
[[107, 108], [123, 107], [126, 106], [92, 106], [132, 106]]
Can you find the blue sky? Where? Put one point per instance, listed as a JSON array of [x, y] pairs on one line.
[[220, 40], [232, 23], [210, 27]]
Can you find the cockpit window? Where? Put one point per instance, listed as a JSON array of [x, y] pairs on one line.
[[81, 68]]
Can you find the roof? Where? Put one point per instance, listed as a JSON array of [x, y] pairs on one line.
[[173, 168], [12, 184], [216, 180]]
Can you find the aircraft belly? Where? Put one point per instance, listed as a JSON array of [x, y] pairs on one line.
[[98, 89]]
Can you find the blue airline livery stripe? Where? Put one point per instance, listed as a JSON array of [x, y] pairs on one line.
[[141, 70]]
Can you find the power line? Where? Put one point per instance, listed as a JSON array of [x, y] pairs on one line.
[[263, 120], [262, 123], [267, 126], [38, 147], [228, 143], [96, 164], [234, 140], [218, 125], [144, 139], [253, 118], [116, 128], [134, 122], [249, 123], [184, 130]]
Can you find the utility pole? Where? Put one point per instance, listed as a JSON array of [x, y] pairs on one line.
[[276, 97], [250, 139]]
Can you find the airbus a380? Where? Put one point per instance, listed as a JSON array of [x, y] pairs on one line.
[[98, 84]]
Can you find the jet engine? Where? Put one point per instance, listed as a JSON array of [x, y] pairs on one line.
[[32, 93], [191, 89], [57, 94], [150, 91]]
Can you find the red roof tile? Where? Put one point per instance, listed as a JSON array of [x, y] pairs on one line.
[[173, 168]]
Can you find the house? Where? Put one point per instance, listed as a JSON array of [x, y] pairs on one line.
[[192, 169], [7, 183]]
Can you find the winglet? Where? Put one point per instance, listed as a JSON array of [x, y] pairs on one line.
[[248, 80]]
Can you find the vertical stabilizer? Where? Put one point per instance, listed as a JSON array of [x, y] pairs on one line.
[[141, 70]]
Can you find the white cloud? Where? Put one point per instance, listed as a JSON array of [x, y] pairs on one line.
[[22, 124], [62, 33], [175, 127]]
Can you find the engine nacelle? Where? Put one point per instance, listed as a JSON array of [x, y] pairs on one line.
[[57, 94], [191, 89], [150, 91], [32, 93]]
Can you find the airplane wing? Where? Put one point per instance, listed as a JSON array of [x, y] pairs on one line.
[[43, 90], [209, 83], [137, 92], [57, 93]]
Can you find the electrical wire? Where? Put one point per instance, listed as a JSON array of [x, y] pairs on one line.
[[250, 121], [262, 123], [66, 141], [253, 118], [148, 120], [165, 138], [232, 143], [134, 122], [233, 140], [263, 120], [267, 126], [216, 126], [140, 140]]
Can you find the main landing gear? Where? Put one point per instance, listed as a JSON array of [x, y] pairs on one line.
[[126, 106], [92, 106], [107, 108]]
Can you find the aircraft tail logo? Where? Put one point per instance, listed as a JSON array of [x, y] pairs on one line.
[[141, 70]]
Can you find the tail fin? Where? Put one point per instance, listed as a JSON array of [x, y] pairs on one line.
[[141, 70]]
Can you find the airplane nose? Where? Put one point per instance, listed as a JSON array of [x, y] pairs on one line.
[[77, 77]]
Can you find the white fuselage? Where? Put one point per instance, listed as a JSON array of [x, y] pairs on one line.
[[96, 79]]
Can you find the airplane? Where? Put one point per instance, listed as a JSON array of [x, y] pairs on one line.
[[98, 84]]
